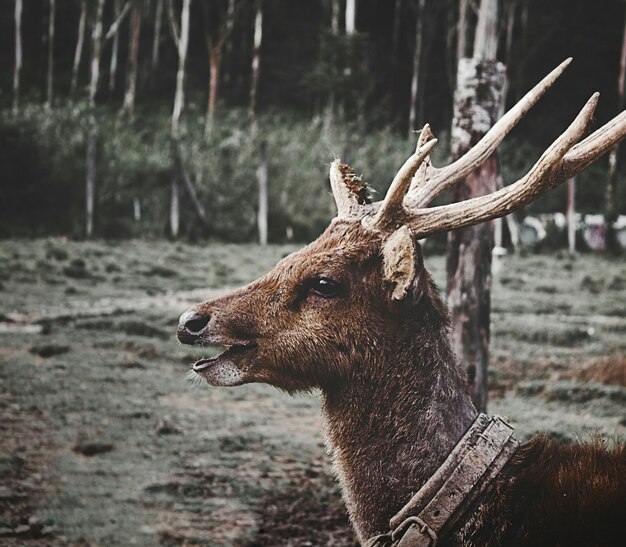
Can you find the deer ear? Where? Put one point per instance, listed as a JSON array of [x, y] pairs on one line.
[[400, 257]]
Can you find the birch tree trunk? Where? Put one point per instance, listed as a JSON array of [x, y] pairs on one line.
[[263, 209], [133, 57], [480, 81], [50, 76], [571, 215], [461, 31], [215, 60], [18, 56], [610, 213], [78, 52], [350, 17], [158, 17], [417, 58], [256, 62], [96, 38], [114, 49], [182, 42], [92, 130]]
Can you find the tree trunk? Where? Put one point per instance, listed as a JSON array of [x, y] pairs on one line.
[[215, 60], [571, 215], [18, 56], [133, 57], [183, 42], [187, 184], [92, 131], [96, 37], [479, 88], [486, 36], [114, 49], [256, 62], [350, 17], [334, 30], [230, 24], [90, 181], [417, 58], [461, 31], [50, 77], [610, 214], [174, 209], [179, 101], [158, 17], [78, 52], [262, 180]]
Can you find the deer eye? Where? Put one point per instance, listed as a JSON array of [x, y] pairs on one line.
[[324, 287]]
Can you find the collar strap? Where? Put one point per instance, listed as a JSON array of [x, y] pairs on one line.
[[473, 463]]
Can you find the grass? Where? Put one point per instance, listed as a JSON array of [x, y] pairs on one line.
[[245, 466]]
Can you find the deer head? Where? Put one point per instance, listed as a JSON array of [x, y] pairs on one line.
[[356, 314], [311, 321]]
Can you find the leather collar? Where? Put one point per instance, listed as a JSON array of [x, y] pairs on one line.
[[432, 513]]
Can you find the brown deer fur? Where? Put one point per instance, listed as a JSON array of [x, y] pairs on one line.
[[356, 315], [395, 399]]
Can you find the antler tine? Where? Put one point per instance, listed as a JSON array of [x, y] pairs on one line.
[[399, 186], [439, 180], [596, 144], [420, 175], [547, 173], [344, 198]]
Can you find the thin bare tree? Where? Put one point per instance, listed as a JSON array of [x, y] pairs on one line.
[[571, 215], [256, 62], [262, 206], [417, 59], [18, 56], [78, 52], [158, 16], [92, 130], [350, 17], [117, 7], [609, 208], [470, 249], [133, 58], [50, 75], [215, 48]]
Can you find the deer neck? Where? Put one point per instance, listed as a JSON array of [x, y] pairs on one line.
[[393, 424]]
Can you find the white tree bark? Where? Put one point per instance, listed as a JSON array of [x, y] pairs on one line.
[[256, 62], [114, 49], [350, 17], [50, 77], [461, 31], [417, 58], [78, 52], [133, 58], [158, 17], [571, 215], [18, 56], [96, 38], [263, 208], [183, 42], [486, 37]]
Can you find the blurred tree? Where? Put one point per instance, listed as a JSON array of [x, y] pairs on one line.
[[133, 58], [417, 60], [256, 62], [18, 56], [480, 81], [156, 42], [610, 210], [78, 52], [50, 75]]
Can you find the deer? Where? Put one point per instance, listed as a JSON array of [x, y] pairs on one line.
[[356, 315]]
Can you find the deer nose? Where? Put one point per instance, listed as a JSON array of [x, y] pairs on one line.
[[191, 325]]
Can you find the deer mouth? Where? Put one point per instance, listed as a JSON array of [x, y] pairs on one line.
[[236, 354]]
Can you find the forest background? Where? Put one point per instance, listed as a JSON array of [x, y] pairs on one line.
[[269, 90]]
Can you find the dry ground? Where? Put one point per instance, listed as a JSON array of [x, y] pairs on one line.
[[104, 442]]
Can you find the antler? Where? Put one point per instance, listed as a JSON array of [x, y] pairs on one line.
[[437, 180], [417, 182]]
